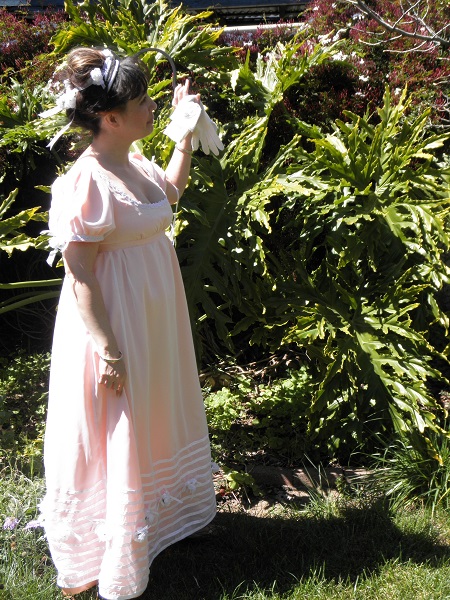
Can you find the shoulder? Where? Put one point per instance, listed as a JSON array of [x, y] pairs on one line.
[[142, 160], [84, 174], [153, 170], [82, 204], [85, 166]]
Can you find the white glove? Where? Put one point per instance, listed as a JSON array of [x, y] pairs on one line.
[[205, 133], [183, 119], [190, 116]]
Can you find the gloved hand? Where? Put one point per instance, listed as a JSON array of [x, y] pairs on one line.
[[183, 119], [190, 116], [205, 133]]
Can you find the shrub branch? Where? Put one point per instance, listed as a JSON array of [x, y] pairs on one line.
[[397, 29]]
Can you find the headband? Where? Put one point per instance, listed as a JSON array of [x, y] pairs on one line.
[[169, 59]]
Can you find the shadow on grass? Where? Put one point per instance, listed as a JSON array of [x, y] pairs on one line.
[[248, 551]]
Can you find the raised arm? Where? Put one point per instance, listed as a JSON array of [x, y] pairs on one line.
[[177, 171]]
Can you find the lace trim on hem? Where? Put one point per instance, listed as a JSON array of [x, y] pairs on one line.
[[65, 535], [70, 583], [110, 595]]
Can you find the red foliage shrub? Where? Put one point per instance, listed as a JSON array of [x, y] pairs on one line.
[[383, 60], [367, 61], [22, 40], [258, 41]]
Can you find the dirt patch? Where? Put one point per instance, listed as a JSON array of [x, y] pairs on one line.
[[280, 486]]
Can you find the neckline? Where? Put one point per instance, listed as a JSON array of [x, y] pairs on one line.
[[120, 191], [130, 199]]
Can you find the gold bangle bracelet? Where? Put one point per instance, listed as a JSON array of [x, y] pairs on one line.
[[184, 150]]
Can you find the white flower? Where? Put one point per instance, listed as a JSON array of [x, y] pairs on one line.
[[166, 499], [364, 78], [324, 39], [339, 56], [97, 77], [68, 99], [150, 517]]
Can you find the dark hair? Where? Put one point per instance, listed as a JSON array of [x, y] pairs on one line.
[[130, 82]]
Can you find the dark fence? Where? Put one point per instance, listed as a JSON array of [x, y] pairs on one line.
[[227, 12], [247, 12]]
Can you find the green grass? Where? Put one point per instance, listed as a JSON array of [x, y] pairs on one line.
[[346, 546], [338, 548], [409, 476]]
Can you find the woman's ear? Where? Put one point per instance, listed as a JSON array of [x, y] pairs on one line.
[[111, 119]]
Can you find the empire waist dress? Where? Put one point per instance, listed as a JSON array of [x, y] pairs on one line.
[[126, 475]]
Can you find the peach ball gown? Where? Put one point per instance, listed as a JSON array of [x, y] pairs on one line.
[[126, 475]]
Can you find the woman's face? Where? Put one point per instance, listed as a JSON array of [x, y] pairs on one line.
[[138, 116]]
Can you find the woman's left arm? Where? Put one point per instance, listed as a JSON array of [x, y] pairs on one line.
[[178, 169]]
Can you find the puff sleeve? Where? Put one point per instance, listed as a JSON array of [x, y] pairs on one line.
[[81, 209]]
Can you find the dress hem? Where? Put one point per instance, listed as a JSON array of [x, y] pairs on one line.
[[164, 547]]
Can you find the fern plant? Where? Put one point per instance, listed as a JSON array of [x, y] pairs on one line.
[[128, 27], [367, 263], [226, 213], [224, 210], [12, 237], [22, 136], [132, 25]]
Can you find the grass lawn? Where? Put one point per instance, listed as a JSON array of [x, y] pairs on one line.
[[333, 548]]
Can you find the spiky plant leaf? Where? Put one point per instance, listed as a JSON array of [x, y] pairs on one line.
[[368, 258]]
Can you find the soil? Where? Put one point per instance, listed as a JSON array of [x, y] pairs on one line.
[[280, 486]]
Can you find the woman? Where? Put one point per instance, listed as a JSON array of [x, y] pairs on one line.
[[127, 459]]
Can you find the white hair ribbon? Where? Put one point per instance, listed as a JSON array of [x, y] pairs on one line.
[[67, 99], [103, 77]]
